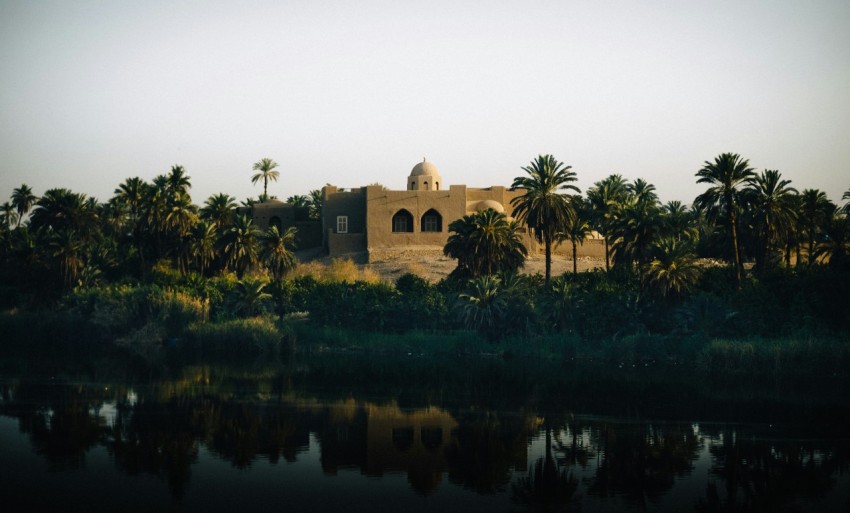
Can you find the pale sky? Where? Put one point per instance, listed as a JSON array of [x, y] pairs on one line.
[[356, 92]]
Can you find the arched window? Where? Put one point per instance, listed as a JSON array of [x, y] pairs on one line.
[[436, 186], [403, 438], [432, 438], [402, 221], [432, 221], [425, 185], [275, 221]]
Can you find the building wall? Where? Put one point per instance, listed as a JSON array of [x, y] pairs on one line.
[[370, 212], [277, 212]]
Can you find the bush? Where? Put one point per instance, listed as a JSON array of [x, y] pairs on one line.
[[256, 336]]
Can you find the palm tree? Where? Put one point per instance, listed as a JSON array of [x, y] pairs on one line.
[[773, 213], [485, 243], [846, 197], [61, 208], [578, 228], [23, 199], [178, 181], [673, 269], [637, 225], [726, 175], [835, 244], [240, 245], [482, 306], [276, 251], [8, 215], [180, 220], [248, 298], [219, 209], [815, 210], [266, 172], [542, 208], [298, 200], [67, 249], [203, 245], [643, 191], [606, 197], [316, 204], [679, 222], [132, 194]]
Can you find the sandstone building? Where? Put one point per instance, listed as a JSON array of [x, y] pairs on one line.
[[380, 222]]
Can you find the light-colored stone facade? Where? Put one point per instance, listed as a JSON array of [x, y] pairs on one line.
[[378, 221]]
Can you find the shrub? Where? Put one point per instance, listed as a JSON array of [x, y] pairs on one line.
[[239, 337]]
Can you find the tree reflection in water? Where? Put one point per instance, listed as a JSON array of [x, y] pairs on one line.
[[751, 475], [640, 462], [161, 431], [547, 487]]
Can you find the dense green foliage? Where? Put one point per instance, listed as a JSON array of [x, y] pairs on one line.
[[149, 269]]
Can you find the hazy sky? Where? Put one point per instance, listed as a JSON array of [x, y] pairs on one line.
[[356, 92]]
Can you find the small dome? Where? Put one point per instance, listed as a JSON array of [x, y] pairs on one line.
[[485, 204], [425, 168]]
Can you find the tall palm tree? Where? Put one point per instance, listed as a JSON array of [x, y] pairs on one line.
[[219, 209], [180, 220], [638, 225], [643, 191], [542, 208], [485, 243], [679, 221], [240, 245], [61, 208], [846, 197], [203, 245], [815, 210], [23, 200], [266, 172], [132, 194], [178, 181], [835, 245], [773, 212], [726, 175], [68, 250], [157, 203], [606, 197], [8, 215], [276, 251], [316, 204], [578, 228]]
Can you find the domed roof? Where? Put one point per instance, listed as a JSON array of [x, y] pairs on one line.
[[485, 204], [425, 168]]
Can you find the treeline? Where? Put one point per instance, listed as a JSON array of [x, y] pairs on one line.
[[149, 264]]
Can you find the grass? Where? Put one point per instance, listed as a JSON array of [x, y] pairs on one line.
[[338, 270]]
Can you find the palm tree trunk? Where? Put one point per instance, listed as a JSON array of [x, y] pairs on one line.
[[811, 248], [607, 256], [575, 264], [739, 265], [548, 244]]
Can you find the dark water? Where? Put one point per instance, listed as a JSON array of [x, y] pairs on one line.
[[222, 439]]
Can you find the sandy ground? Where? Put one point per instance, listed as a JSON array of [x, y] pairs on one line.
[[434, 266]]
